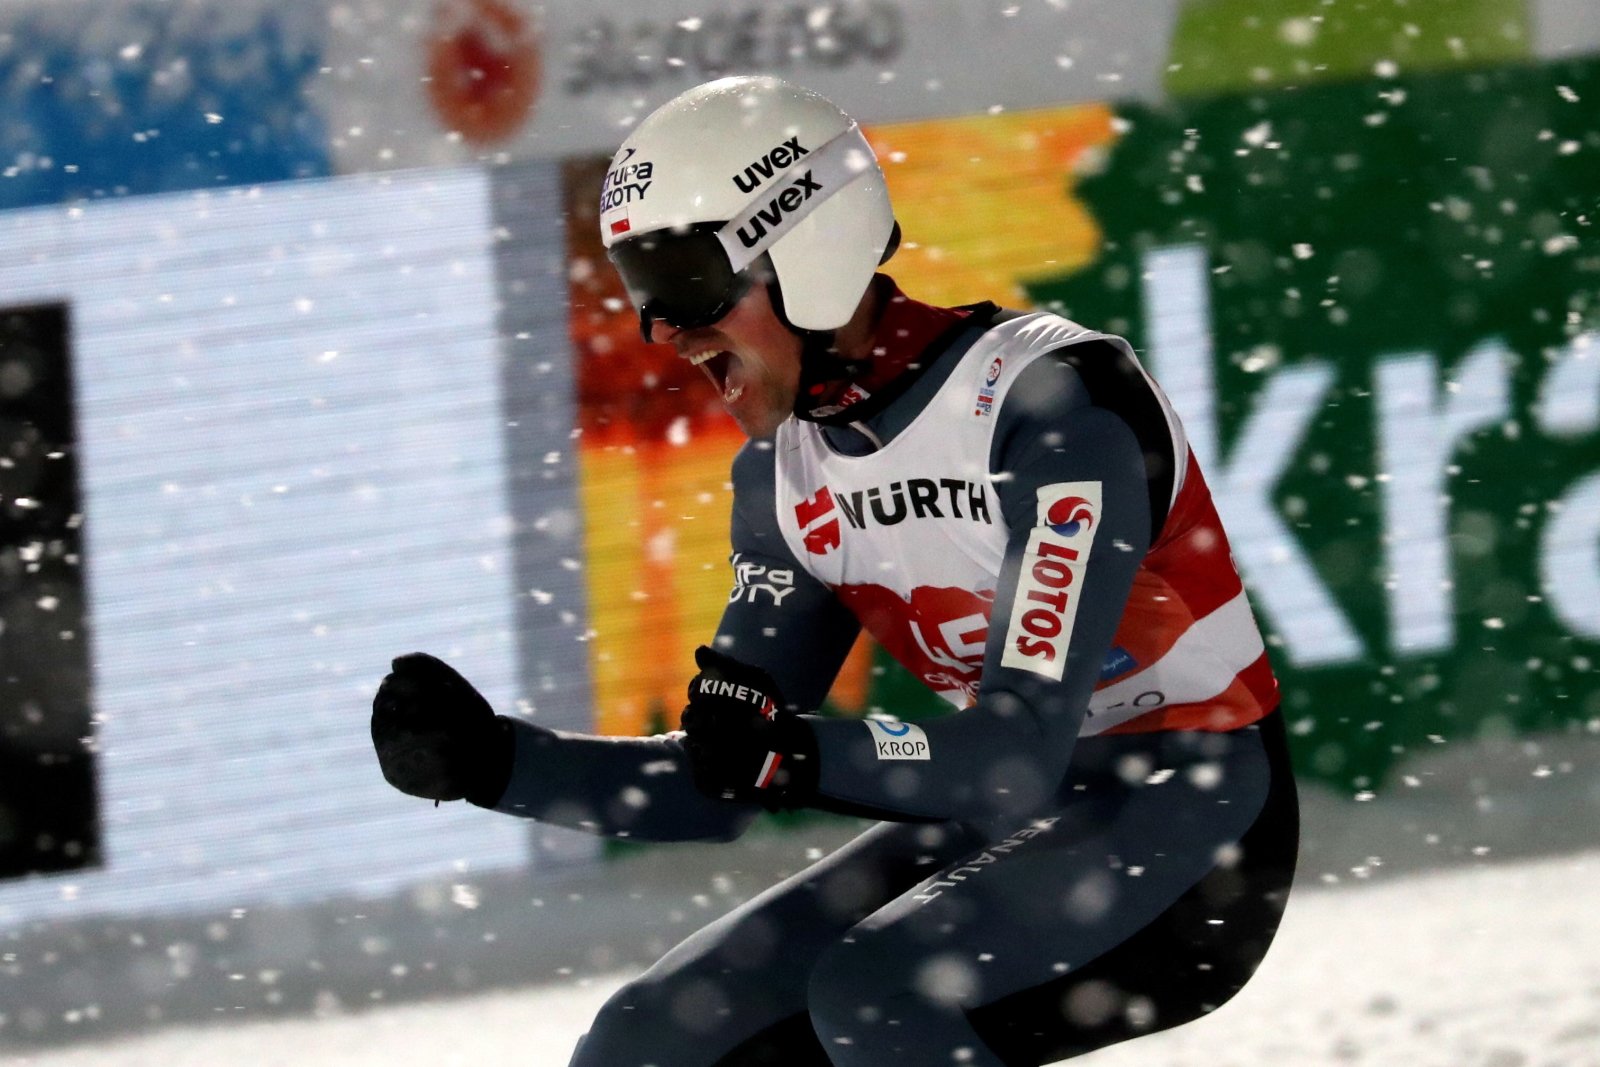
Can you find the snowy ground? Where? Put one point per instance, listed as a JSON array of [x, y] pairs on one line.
[[1493, 966]]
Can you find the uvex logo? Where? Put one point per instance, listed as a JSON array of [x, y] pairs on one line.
[[785, 203], [768, 165]]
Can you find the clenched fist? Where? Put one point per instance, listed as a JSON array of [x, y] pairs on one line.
[[435, 735], [742, 744]]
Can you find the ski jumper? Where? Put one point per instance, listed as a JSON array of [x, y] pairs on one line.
[[1096, 842]]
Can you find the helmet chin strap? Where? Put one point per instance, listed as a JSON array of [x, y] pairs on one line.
[[826, 377], [830, 391], [827, 381]]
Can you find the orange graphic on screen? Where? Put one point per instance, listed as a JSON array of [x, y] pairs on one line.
[[984, 203], [483, 68]]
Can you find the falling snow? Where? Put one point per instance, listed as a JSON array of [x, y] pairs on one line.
[[324, 412]]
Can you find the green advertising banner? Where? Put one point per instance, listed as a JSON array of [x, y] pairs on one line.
[[1375, 305]]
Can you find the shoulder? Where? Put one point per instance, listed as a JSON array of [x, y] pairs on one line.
[[755, 526], [1096, 372], [754, 463], [1085, 396], [1061, 365], [755, 495]]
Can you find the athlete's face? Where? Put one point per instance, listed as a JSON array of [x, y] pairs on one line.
[[750, 356]]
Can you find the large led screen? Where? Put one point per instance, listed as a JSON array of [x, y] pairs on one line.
[[287, 419]]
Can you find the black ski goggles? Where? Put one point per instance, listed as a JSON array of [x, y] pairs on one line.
[[681, 277]]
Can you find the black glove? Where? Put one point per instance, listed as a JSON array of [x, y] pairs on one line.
[[436, 737], [742, 744]]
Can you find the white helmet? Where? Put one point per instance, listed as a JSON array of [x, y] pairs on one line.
[[733, 170]]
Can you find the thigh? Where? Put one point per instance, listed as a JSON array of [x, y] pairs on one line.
[[1187, 960], [734, 992], [1159, 834]]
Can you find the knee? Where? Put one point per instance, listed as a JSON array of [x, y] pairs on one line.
[[872, 1004], [620, 1025], [669, 1017], [654, 1024]]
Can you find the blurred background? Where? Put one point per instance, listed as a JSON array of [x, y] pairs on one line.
[[310, 356]]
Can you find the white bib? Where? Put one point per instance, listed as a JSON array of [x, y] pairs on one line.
[[910, 537]]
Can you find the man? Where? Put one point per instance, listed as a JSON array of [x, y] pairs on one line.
[[1099, 840]]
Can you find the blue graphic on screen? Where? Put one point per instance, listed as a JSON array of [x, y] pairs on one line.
[[100, 101]]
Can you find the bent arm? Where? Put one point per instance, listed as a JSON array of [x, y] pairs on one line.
[[778, 617], [633, 787]]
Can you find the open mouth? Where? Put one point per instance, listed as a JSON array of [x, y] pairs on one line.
[[715, 366]]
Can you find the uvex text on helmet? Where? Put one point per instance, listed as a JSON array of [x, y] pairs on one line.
[[759, 166]]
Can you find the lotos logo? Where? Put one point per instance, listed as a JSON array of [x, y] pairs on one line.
[[774, 161], [1069, 515], [994, 373], [1046, 603], [820, 531], [778, 208]]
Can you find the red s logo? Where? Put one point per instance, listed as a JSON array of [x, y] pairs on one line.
[[821, 532]]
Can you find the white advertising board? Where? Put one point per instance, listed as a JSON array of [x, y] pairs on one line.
[[404, 80], [289, 412]]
